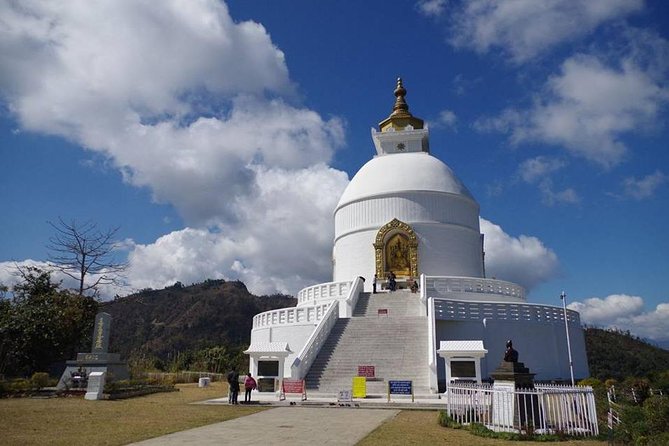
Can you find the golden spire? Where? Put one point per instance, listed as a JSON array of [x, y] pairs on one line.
[[400, 117]]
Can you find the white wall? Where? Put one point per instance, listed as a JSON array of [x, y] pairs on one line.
[[446, 224], [295, 335], [542, 346]]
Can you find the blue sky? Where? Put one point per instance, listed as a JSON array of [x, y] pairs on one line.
[[220, 136]]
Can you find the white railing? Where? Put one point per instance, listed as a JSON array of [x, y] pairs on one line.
[[330, 290], [451, 309], [440, 286], [305, 358], [431, 346], [544, 409], [290, 316], [348, 305]]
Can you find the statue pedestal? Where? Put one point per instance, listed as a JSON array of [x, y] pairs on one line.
[[511, 407], [109, 363], [515, 372]]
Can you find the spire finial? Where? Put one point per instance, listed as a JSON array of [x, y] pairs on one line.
[[400, 117], [401, 105]]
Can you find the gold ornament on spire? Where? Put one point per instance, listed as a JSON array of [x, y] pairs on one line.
[[400, 118]]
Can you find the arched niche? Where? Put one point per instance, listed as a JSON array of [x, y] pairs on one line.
[[396, 250]]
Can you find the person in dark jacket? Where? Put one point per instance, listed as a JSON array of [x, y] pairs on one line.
[[233, 383]]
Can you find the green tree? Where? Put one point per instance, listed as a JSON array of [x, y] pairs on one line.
[[42, 324]]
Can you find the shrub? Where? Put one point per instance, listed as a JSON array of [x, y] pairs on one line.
[[445, 420], [40, 380], [20, 385], [656, 411]]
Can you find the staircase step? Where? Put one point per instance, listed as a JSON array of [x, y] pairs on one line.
[[395, 344]]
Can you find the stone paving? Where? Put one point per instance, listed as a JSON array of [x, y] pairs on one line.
[[285, 425]]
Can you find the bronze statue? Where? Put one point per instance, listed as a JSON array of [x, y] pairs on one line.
[[510, 355]]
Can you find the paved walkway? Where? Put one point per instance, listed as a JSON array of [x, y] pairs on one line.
[[292, 425]]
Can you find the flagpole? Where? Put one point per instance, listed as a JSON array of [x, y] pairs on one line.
[[563, 296]]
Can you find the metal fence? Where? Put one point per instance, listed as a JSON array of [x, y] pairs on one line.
[[544, 409]]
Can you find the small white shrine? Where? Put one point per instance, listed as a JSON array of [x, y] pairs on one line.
[[406, 215]]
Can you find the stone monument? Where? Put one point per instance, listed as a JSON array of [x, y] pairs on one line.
[[98, 360], [96, 386], [510, 408]]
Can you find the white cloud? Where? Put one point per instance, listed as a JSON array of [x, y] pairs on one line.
[[432, 7], [625, 312], [284, 244], [550, 197], [10, 276], [534, 169], [524, 28], [447, 119], [644, 187], [602, 311], [196, 107], [524, 260], [587, 108]]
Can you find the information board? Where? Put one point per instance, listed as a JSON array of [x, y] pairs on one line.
[[293, 386], [344, 396], [400, 388], [359, 387], [368, 371]]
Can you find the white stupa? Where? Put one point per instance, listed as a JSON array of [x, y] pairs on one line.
[[406, 214]]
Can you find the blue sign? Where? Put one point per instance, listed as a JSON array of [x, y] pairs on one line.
[[399, 387]]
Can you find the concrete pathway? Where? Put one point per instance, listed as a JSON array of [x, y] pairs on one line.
[[291, 425]]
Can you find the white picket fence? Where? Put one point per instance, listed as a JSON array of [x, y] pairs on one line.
[[544, 409]]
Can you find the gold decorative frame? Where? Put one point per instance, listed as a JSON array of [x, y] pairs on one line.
[[389, 229]]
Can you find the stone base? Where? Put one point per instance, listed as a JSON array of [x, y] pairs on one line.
[[517, 411], [515, 372], [109, 363]]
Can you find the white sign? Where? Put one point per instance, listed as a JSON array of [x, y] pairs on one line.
[[344, 396]]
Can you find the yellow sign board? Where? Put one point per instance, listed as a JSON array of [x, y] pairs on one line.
[[359, 387]]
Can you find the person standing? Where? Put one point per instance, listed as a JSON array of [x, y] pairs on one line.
[[374, 285], [233, 384], [249, 385]]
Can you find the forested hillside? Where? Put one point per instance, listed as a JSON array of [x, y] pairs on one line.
[[617, 354], [207, 323]]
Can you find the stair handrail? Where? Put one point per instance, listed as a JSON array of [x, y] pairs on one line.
[[307, 355], [357, 287]]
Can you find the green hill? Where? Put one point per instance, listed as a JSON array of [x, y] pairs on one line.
[[617, 354], [180, 324]]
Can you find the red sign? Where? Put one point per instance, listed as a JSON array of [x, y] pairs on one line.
[[383, 312], [366, 370], [293, 386]]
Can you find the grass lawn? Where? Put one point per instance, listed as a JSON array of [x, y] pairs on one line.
[[75, 421], [414, 427]]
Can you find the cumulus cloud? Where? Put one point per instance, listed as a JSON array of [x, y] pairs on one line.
[[447, 119], [524, 260], [644, 187], [625, 312], [587, 108], [284, 245], [433, 8], [196, 107], [534, 169], [10, 276], [550, 197], [523, 28]]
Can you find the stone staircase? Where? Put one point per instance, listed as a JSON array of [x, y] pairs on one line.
[[396, 344]]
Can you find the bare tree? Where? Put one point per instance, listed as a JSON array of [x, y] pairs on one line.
[[85, 253]]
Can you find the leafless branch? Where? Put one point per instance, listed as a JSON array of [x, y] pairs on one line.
[[82, 251]]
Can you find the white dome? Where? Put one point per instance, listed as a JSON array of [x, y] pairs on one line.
[[402, 172]]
